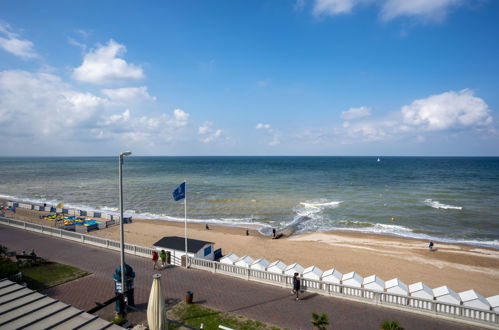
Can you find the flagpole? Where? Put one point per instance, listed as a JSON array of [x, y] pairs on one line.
[[185, 224]]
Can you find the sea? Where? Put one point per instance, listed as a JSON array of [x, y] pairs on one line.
[[448, 199]]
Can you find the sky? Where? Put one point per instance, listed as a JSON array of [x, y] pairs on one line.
[[235, 77]]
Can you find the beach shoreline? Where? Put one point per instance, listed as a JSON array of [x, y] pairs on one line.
[[459, 266]]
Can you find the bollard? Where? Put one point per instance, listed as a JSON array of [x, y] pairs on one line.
[[189, 296]]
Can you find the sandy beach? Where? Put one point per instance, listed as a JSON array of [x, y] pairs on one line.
[[461, 267]]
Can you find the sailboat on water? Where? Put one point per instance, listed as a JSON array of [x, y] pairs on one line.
[[378, 160]]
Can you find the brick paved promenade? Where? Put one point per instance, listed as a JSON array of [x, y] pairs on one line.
[[257, 301]]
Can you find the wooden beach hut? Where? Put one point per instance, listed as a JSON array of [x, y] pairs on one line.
[[396, 286], [312, 273], [332, 276], [373, 282], [245, 261], [446, 294], [260, 264], [293, 268], [421, 290], [229, 259], [352, 279], [277, 267], [195, 248], [494, 302], [472, 299]]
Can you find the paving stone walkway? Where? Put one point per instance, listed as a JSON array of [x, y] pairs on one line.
[[261, 302]]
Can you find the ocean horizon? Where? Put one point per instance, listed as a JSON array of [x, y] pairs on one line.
[[450, 199]]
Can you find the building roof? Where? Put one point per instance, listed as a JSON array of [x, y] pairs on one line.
[[23, 307], [178, 243]]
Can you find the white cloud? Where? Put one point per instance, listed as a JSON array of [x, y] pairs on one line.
[[356, 113], [208, 133], [275, 135], [437, 113], [299, 5], [427, 9], [263, 83], [39, 103], [104, 65], [448, 110], [335, 7], [11, 43], [180, 118], [390, 9], [263, 126], [129, 95]]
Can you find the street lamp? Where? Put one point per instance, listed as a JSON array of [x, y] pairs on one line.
[[122, 230]]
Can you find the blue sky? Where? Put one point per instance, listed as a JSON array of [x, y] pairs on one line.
[[306, 77]]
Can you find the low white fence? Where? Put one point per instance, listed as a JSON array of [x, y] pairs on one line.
[[426, 306], [79, 237], [432, 307]]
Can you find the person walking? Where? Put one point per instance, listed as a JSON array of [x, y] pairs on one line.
[[155, 260], [430, 246], [162, 256], [296, 286]]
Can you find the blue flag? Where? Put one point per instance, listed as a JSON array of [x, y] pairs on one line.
[[179, 192]]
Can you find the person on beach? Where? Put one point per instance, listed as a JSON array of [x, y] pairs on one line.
[[296, 286], [162, 256], [155, 260], [206, 227], [247, 232], [430, 246], [273, 232]]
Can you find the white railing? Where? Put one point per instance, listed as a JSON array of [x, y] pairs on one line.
[[79, 237], [431, 307]]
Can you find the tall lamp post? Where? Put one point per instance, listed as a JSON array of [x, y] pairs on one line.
[[122, 231]]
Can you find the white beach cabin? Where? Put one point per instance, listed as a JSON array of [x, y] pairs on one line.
[[446, 294], [472, 299], [312, 273], [195, 248], [352, 279], [396, 286], [229, 259], [494, 302], [332, 276], [260, 264], [373, 282], [421, 290], [277, 267], [245, 261], [293, 268]]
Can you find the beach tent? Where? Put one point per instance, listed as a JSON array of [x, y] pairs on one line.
[[260, 264], [312, 273], [494, 302], [293, 268], [352, 279], [396, 286], [446, 294], [472, 299], [421, 290], [332, 276], [245, 261], [373, 282], [277, 267], [229, 259]]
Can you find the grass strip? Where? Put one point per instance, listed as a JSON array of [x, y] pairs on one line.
[[50, 274], [195, 314]]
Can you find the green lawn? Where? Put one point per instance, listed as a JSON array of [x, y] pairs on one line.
[[194, 315], [50, 274]]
